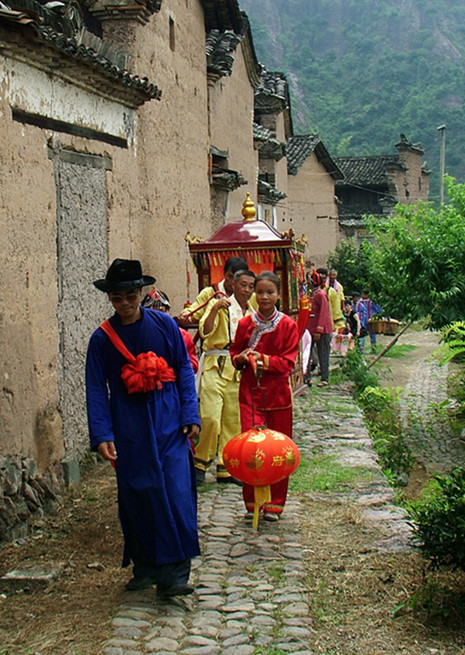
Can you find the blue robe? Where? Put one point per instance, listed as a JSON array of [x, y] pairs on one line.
[[156, 482]]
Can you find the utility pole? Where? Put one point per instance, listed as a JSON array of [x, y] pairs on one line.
[[442, 163]]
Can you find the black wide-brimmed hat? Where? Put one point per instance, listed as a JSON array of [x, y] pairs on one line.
[[124, 274]]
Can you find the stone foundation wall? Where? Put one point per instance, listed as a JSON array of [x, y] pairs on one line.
[[26, 495]]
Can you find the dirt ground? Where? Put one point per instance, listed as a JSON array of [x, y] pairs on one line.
[[378, 603]]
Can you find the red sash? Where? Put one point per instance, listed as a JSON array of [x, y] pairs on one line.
[[143, 373]]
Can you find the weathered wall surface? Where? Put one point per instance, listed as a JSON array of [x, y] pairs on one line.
[[172, 148], [311, 210], [413, 184], [231, 106]]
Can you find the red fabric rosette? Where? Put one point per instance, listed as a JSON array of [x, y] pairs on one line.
[[143, 373], [147, 373]]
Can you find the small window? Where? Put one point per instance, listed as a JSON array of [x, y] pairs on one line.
[[172, 36]]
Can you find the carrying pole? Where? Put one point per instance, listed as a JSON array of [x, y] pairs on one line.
[[390, 344]]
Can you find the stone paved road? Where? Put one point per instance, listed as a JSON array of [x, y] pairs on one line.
[[251, 585]]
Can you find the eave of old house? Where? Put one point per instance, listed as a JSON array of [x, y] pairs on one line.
[[141, 10], [272, 97], [300, 147], [64, 48], [367, 171], [225, 30], [220, 48], [268, 194], [266, 143], [226, 179]]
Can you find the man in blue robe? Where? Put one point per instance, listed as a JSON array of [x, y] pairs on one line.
[[146, 435]]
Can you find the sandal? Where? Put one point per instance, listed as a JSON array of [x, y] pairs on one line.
[[271, 516], [323, 383]]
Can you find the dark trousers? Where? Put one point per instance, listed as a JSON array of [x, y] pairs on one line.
[[164, 575], [323, 349]]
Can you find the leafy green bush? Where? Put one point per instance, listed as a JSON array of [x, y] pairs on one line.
[[439, 521], [453, 340], [380, 407], [355, 369]]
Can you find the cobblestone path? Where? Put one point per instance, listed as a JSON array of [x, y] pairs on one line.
[[252, 589]]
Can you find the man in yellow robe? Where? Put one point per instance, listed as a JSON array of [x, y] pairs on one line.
[[218, 380]]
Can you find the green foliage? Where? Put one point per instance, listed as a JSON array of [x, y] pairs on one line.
[[355, 369], [417, 264], [358, 69], [381, 409], [439, 521], [453, 339], [352, 263]]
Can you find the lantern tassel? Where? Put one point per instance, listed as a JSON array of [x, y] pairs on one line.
[[262, 495]]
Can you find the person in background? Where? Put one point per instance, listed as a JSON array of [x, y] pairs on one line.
[[271, 338], [335, 292], [352, 319], [218, 380], [159, 300], [366, 308], [144, 430], [320, 325], [224, 289]]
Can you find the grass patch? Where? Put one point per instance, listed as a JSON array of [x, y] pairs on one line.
[[399, 350], [326, 473]]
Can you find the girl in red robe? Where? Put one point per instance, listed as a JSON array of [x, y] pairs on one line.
[[271, 338]]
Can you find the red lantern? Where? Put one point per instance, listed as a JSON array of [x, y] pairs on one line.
[[260, 457]]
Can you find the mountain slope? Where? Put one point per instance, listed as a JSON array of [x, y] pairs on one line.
[[362, 72]]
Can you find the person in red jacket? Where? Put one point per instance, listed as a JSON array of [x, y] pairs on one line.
[[271, 338], [320, 324]]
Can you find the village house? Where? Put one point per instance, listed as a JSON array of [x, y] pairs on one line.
[[311, 205], [374, 185]]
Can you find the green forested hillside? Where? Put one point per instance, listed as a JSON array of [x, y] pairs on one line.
[[361, 72]]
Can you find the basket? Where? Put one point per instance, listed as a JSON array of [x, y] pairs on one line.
[[390, 326], [376, 326], [387, 326]]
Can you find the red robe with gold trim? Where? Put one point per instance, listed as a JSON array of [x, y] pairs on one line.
[[269, 402]]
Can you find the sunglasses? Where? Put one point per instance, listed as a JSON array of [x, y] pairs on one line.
[[130, 296]]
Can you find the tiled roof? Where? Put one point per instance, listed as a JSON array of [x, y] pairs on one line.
[[261, 133], [227, 179], [220, 48], [55, 43], [367, 170], [273, 85], [300, 147], [266, 143], [268, 193]]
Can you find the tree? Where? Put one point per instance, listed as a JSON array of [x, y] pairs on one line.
[[352, 264], [418, 262]]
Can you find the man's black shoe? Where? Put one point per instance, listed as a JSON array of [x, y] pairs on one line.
[[229, 480], [175, 590], [139, 583], [199, 477]]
